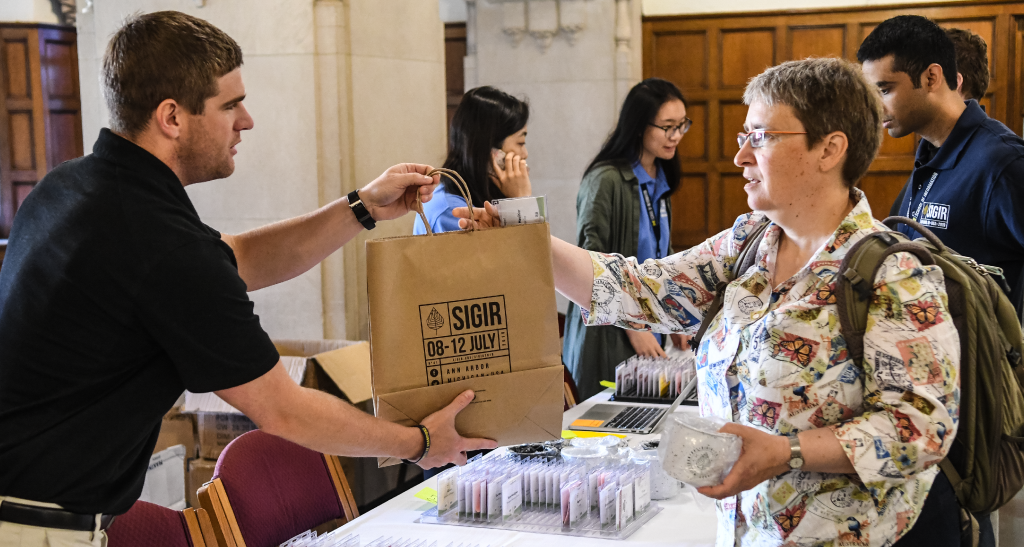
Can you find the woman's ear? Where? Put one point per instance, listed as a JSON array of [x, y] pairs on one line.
[[833, 154]]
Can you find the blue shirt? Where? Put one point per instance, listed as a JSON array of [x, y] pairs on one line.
[[439, 212], [651, 245], [976, 201]]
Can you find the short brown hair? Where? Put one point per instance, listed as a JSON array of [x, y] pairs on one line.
[[827, 94], [159, 56], [971, 61]]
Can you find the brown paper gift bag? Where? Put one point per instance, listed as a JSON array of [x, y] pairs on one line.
[[467, 310]]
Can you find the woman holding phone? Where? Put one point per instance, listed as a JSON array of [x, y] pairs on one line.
[[487, 146], [624, 207]]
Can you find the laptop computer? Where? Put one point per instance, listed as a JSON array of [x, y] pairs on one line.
[[622, 418]]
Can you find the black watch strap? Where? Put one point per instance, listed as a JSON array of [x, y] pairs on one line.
[[362, 214]]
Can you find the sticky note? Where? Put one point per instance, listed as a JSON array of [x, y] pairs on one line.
[[588, 423], [606, 383], [428, 494], [590, 434]]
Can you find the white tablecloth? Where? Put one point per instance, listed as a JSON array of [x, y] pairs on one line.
[[682, 522]]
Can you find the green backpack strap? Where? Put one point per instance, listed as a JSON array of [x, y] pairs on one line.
[[746, 259], [855, 285]]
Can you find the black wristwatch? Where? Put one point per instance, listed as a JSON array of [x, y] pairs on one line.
[[360, 211]]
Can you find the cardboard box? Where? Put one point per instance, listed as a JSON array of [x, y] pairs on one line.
[[339, 367], [200, 472], [165, 479], [217, 429], [478, 314], [177, 428]]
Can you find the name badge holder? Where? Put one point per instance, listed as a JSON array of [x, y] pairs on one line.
[[506, 492]]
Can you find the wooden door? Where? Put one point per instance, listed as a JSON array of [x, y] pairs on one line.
[[711, 58], [40, 109]]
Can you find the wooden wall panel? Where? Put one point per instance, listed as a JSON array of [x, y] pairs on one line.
[[685, 59], [40, 109], [677, 48], [817, 42], [455, 71], [745, 54], [695, 189], [694, 145], [16, 68]]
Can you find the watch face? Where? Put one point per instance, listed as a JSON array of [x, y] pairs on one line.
[[796, 463]]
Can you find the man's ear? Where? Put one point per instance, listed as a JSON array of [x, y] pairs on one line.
[[833, 154], [932, 77], [168, 119]]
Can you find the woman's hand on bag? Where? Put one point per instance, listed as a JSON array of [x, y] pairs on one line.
[[514, 179], [393, 194], [486, 217], [446, 445], [764, 456], [644, 343]]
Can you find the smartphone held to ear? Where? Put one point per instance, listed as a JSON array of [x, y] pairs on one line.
[[499, 157]]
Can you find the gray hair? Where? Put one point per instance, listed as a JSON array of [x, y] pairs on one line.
[[827, 94]]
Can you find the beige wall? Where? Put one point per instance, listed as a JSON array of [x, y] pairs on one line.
[[27, 11], [680, 7], [339, 91]]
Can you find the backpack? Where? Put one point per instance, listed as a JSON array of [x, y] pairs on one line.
[[985, 464]]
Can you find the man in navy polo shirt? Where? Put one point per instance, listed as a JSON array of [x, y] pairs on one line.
[[968, 181]]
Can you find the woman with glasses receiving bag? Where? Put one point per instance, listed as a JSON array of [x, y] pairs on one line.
[[623, 207], [835, 452]]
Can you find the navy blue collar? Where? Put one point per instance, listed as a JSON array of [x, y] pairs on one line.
[[948, 155]]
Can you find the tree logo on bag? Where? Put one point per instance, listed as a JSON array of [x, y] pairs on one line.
[[435, 321]]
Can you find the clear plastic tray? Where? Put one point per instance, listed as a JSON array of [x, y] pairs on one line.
[[545, 522]]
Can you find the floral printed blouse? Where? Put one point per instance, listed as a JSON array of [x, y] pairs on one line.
[[775, 359]]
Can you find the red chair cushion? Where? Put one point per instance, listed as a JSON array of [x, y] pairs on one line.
[[276, 488], [150, 525]]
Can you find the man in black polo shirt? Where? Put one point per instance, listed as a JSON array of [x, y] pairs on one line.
[[115, 297], [968, 180]]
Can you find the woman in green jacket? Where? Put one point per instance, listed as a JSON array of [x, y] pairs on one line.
[[624, 207]]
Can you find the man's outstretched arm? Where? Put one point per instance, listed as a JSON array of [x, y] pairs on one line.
[[327, 424], [283, 250]]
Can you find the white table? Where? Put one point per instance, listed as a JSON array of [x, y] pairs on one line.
[[681, 522]]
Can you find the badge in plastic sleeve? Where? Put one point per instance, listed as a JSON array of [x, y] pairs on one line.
[[512, 499], [447, 497], [516, 211]]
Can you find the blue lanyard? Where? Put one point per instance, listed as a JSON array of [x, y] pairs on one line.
[[656, 232], [924, 196]]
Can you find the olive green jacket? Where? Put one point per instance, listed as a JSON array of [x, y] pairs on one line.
[[607, 220]]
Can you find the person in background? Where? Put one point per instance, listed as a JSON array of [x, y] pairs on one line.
[[624, 207], [968, 180], [487, 147], [971, 63], [835, 452], [971, 80]]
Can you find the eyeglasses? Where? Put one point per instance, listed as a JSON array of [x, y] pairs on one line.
[[670, 130], [759, 137]]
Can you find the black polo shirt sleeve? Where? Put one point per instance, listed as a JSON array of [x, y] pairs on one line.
[[195, 305]]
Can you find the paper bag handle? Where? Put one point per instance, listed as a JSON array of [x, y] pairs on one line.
[[463, 188]]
